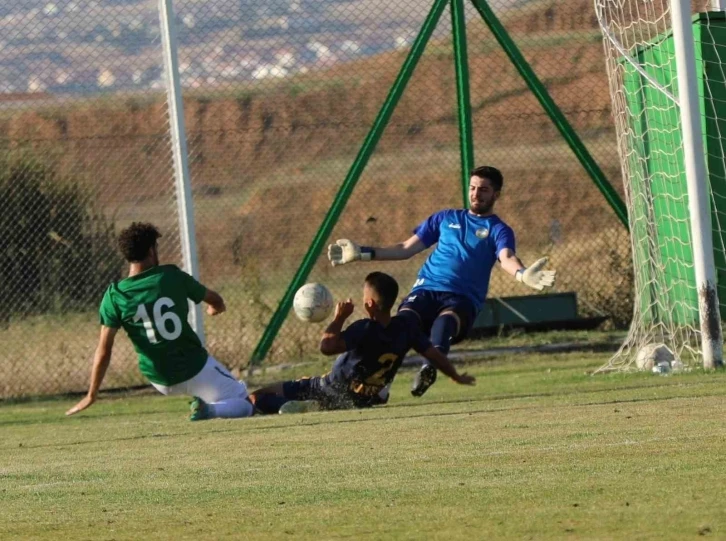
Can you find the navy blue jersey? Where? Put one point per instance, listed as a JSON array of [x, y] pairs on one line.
[[468, 247], [374, 353]]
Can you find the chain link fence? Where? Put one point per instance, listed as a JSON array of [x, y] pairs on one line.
[[278, 97], [84, 150]]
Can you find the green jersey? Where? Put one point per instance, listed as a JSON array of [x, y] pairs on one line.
[[152, 308]]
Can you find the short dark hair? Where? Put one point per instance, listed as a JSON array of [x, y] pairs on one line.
[[490, 173], [137, 240], [386, 287]]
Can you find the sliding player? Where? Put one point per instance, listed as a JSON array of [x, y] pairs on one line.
[[371, 352], [151, 305], [453, 282]]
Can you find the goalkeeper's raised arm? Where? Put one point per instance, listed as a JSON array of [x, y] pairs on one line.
[[452, 284], [534, 276], [346, 251]]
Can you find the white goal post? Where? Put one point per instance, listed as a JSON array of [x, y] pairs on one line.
[[668, 89]]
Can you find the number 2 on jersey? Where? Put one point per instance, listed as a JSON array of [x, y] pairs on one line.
[[160, 321], [386, 362]]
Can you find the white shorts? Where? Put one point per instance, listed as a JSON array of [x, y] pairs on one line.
[[213, 384]]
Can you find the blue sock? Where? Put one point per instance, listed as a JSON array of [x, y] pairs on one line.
[[442, 332]]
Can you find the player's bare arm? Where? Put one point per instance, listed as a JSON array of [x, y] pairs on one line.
[[215, 303], [440, 361], [346, 251], [509, 261], [332, 343], [533, 276], [101, 360]]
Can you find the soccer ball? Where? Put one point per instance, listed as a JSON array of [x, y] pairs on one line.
[[653, 355], [313, 303]]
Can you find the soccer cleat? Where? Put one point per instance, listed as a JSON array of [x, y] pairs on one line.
[[300, 406], [423, 380], [200, 410]]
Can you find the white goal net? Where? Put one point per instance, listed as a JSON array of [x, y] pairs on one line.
[[641, 64]]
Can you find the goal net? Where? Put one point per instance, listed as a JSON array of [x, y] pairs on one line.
[[641, 64]]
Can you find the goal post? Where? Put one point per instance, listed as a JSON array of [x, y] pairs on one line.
[[668, 91], [696, 180]]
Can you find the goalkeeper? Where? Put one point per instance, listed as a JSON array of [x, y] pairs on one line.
[[151, 305], [452, 284]]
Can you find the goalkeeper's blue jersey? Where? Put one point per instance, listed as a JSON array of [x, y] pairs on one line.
[[468, 247]]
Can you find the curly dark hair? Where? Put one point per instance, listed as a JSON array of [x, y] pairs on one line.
[[493, 174], [136, 240], [386, 287]]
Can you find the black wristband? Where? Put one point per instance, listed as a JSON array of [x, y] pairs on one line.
[[367, 253]]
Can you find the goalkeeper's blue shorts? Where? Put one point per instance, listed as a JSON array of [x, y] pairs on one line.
[[429, 304]]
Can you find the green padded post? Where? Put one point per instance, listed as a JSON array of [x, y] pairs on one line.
[[552, 110], [341, 198], [466, 138]]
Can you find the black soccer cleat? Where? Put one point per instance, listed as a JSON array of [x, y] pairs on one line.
[[423, 380]]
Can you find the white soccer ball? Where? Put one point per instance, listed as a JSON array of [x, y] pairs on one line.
[[652, 355], [313, 303]]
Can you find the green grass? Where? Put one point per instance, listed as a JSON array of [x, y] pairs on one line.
[[537, 449]]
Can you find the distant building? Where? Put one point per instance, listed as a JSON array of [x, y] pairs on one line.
[[268, 71], [106, 79], [285, 58], [36, 84]]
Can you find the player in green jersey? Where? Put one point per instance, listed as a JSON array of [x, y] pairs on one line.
[[151, 305]]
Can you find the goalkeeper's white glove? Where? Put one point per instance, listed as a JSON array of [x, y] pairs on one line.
[[346, 251], [535, 277]]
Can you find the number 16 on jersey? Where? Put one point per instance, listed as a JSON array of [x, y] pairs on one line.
[[168, 325]]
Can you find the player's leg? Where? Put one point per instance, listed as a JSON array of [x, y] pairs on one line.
[[218, 393], [279, 397], [449, 327], [306, 395], [446, 327], [233, 407], [423, 307], [270, 399]]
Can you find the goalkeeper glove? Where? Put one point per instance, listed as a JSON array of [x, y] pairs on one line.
[[346, 251], [535, 277]]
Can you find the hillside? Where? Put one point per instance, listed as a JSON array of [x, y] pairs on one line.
[[345, 99], [282, 148], [267, 159]]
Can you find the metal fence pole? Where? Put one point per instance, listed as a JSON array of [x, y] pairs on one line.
[[185, 203], [553, 111], [466, 138], [369, 145]]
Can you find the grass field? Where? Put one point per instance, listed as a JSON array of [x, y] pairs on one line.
[[538, 449]]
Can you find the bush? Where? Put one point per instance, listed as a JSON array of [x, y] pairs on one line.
[[57, 252], [617, 299]]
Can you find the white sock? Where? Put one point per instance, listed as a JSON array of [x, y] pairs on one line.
[[231, 408]]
